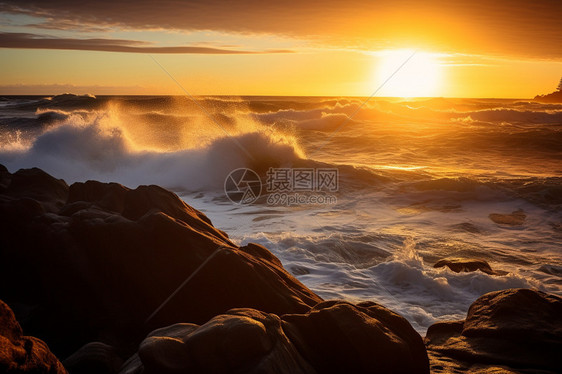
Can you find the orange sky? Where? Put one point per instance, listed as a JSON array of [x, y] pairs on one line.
[[508, 48]]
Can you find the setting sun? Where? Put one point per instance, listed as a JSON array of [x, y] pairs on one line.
[[414, 73]]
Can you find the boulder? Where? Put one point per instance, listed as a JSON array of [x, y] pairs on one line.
[[519, 330], [241, 341], [101, 258], [339, 337], [23, 354], [333, 337]]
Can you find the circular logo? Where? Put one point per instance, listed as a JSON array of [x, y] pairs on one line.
[[242, 186]]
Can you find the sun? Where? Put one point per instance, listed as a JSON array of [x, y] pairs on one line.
[[419, 76]]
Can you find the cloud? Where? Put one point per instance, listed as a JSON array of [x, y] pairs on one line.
[[505, 27], [54, 89], [34, 41]]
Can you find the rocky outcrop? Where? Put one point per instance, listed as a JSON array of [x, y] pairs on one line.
[[23, 354], [460, 265], [553, 97], [338, 337], [518, 331], [100, 258], [333, 337]]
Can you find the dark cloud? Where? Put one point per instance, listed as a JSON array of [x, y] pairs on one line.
[[34, 41], [54, 89], [505, 27]]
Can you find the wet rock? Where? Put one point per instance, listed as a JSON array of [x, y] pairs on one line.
[[459, 265], [518, 330], [240, 341], [23, 354], [339, 337], [333, 337]]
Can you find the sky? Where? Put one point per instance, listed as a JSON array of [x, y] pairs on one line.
[[405, 48]]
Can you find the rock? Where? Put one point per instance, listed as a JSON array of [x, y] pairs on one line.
[[516, 218], [100, 258], [35, 184], [333, 337], [459, 265], [5, 178], [338, 337], [23, 354], [94, 358], [553, 97], [519, 330], [240, 341]]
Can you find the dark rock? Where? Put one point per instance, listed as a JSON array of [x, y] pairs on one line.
[[518, 329], [23, 354], [338, 337], [94, 358], [241, 341], [234, 278], [333, 337], [517, 313], [553, 97], [5, 178], [459, 265], [100, 258], [37, 185]]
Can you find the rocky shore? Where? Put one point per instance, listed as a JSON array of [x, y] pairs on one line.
[[553, 97], [92, 270]]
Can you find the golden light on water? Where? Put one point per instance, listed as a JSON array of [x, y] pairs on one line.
[[418, 76]]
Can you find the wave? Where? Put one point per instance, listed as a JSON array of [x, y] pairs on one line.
[[98, 145], [171, 141], [512, 116], [357, 266]]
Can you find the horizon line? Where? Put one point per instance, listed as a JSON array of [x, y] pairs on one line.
[[269, 95]]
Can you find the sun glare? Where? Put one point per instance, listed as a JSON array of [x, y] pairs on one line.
[[420, 76]]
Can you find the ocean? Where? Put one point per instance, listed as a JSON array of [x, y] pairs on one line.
[[411, 182]]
